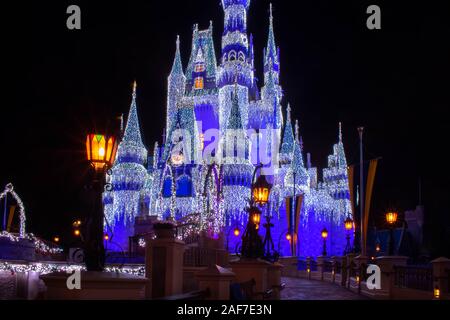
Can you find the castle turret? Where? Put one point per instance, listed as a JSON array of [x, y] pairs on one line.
[[176, 86], [202, 67], [287, 144], [272, 92], [128, 179]]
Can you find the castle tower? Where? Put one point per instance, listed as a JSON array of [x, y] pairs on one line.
[[202, 81], [176, 86], [237, 169], [272, 92], [128, 179], [236, 63]]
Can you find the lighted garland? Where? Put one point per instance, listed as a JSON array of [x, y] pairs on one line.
[[46, 268], [10, 189]]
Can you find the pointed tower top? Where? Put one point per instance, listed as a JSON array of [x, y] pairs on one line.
[[340, 131], [288, 112], [297, 131], [132, 133], [271, 13], [271, 51], [177, 67]]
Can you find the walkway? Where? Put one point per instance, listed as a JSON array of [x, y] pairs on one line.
[[303, 289]]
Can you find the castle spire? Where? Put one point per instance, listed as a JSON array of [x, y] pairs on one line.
[[132, 133], [271, 50], [177, 67], [287, 145], [288, 112], [297, 131], [340, 132]]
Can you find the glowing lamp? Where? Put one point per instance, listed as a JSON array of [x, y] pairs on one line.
[[255, 216], [106, 237], [56, 239], [76, 233], [391, 217], [261, 190], [177, 159], [288, 237], [236, 232], [348, 223], [324, 233], [77, 223], [101, 150], [437, 293], [377, 248]]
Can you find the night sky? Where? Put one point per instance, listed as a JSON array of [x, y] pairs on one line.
[[394, 82]]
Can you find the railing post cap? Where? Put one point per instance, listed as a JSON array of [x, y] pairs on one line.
[[441, 260]]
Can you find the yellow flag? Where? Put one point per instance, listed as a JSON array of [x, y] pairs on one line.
[[12, 209]]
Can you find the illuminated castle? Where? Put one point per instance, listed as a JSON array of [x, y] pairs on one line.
[[219, 126]]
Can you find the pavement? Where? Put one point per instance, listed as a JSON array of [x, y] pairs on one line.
[[304, 289]]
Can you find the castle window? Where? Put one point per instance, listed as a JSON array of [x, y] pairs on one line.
[[241, 56], [232, 55], [202, 141], [198, 84], [199, 67]]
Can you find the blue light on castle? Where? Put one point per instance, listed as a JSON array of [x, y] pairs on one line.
[[219, 126]]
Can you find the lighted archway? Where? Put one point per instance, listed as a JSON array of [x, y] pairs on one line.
[[9, 188]]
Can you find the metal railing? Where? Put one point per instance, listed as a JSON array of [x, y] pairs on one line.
[[448, 280], [327, 266], [196, 257], [337, 267], [302, 265], [419, 278]]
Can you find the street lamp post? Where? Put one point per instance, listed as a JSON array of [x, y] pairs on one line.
[[100, 153], [252, 245], [391, 219], [324, 235], [348, 223]]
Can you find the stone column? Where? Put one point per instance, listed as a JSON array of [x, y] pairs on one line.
[[350, 258], [440, 268], [387, 264], [320, 266], [308, 267], [164, 267], [248, 269], [274, 279], [334, 262], [361, 266], [217, 280]]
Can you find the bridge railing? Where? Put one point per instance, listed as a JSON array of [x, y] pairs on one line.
[[412, 277], [398, 280]]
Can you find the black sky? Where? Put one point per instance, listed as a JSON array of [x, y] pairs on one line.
[[393, 81]]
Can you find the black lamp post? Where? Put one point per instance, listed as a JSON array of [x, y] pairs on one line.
[[324, 235], [100, 152], [348, 223], [391, 219], [252, 245]]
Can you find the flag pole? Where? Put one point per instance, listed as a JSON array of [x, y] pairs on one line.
[[361, 190]]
